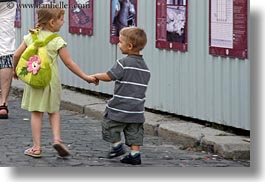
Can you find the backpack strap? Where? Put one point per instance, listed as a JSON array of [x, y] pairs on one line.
[[46, 40], [50, 38]]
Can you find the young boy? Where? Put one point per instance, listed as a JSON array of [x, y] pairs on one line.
[[125, 111]]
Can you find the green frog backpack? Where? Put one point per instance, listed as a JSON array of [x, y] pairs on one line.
[[34, 65]]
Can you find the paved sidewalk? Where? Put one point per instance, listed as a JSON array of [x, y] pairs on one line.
[[82, 135], [188, 134]]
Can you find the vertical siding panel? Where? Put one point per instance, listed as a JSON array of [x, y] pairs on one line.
[[244, 117], [201, 95], [209, 89], [217, 89], [235, 90], [190, 64], [226, 92], [195, 59]]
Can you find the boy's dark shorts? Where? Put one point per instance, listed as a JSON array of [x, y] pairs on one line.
[[133, 132], [6, 61]]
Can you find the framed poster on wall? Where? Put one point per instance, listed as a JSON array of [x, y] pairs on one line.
[[172, 24], [228, 28], [81, 17], [18, 16], [123, 14]]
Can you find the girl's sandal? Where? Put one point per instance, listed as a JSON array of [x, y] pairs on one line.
[[3, 111], [60, 148], [33, 152]]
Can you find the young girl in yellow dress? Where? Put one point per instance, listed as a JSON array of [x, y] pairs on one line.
[[37, 101]]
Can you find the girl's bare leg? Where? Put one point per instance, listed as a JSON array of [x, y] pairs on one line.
[[36, 126], [55, 122]]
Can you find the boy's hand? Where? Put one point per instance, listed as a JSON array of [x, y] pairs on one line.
[[92, 79]]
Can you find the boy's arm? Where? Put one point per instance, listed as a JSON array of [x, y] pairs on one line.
[[102, 76]]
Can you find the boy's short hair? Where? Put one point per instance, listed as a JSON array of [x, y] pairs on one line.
[[136, 36]]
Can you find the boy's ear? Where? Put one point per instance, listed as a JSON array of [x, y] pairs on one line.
[[130, 46]]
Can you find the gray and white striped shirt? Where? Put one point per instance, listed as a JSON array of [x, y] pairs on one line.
[[131, 76]]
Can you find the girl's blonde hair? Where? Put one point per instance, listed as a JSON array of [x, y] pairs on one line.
[[46, 12], [136, 36]]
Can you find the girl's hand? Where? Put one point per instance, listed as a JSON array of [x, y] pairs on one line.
[[92, 79], [15, 75]]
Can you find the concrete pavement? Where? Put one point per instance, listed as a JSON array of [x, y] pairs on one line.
[[189, 135]]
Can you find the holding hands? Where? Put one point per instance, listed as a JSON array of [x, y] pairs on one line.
[[92, 79]]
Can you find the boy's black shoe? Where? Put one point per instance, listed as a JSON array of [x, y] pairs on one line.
[[134, 160], [116, 151]]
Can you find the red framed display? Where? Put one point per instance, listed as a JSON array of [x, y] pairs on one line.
[[123, 13], [81, 17], [172, 24], [18, 16], [228, 32]]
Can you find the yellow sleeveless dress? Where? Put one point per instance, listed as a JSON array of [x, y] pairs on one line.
[[45, 99]]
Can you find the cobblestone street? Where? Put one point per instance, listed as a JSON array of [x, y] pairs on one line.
[[82, 134]]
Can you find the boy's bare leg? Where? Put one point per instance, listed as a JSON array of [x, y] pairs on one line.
[[134, 157], [135, 148]]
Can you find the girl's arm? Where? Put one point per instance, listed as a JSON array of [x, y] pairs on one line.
[[17, 55], [102, 76], [71, 65]]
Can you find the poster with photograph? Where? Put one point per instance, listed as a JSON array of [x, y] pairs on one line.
[[228, 28], [123, 14], [36, 4], [171, 24], [18, 15], [81, 17]]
